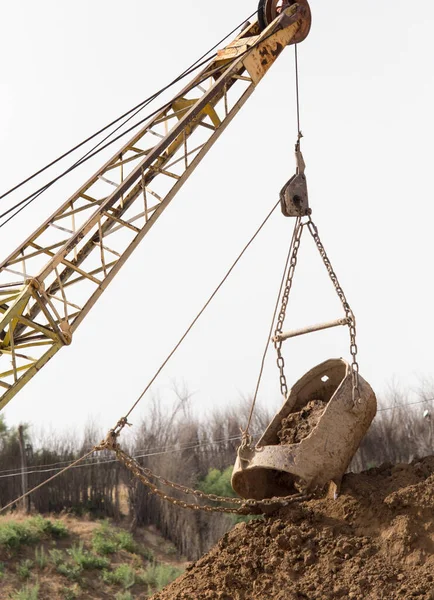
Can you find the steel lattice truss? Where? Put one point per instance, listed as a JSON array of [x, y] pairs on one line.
[[50, 282]]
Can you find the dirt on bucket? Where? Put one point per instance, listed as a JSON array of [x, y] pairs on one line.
[[375, 541], [297, 426]]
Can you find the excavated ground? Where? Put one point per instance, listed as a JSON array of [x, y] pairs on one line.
[[376, 541]]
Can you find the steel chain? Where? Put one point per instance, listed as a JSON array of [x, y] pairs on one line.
[[246, 507], [298, 230], [348, 312]]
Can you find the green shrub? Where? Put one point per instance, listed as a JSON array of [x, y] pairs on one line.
[[24, 568], [123, 575], [158, 575], [218, 483], [14, 535], [2, 570], [27, 593], [104, 540], [55, 529], [71, 593], [147, 553], [87, 560], [72, 572], [56, 557], [41, 557], [126, 541], [108, 540]]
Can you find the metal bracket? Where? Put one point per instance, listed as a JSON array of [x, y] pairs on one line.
[[245, 454]]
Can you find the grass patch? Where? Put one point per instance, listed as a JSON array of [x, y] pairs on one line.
[[124, 575], [40, 557], [27, 593], [87, 560], [109, 540], [54, 529], [24, 568], [158, 575], [14, 535], [57, 557], [71, 593], [126, 541], [81, 560], [70, 571]]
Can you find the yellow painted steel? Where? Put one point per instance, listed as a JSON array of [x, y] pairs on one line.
[[68, 262]]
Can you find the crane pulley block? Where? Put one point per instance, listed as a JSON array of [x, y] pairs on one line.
[[294, 199]]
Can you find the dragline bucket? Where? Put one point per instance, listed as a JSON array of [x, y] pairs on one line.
[[276, 468]]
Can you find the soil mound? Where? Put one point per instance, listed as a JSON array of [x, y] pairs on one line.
[[376, 541]]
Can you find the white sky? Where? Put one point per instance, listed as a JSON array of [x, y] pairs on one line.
[[367, 93]]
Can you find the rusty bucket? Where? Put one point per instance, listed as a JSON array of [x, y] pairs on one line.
[[322, 400]]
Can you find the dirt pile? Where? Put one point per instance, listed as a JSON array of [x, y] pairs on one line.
[[376, 541]]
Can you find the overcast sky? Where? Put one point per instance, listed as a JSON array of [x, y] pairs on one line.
[[367, 92]]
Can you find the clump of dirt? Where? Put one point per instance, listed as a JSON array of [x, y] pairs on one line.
[[375, 542], [298, 426]]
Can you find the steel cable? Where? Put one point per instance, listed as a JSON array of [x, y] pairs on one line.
[[136, 109]]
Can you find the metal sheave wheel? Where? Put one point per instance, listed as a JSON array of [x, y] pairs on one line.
[[268, 10]]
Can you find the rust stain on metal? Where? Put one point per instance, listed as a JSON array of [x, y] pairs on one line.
[[291, 27]]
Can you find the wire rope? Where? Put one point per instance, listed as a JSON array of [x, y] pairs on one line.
[[137, 108], [90, 154], [44, 483], [267, 345], [297, 91], [24, 203], [202, 310], [29, 199], [72, 464], [155, 451]]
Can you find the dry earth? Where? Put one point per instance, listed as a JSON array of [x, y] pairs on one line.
[[376, 541]]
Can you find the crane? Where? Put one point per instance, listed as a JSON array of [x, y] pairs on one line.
[[51, 281]]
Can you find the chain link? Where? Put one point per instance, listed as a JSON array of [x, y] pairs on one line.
[[348, 312], [295, 243], [245, 507]]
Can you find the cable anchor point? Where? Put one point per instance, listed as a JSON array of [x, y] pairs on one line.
[[245, 450], [301, 165], [111, 440]]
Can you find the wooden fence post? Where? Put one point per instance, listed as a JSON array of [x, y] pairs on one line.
[[24, 479]]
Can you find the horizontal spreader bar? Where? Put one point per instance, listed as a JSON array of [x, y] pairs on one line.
[[296, 332]]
